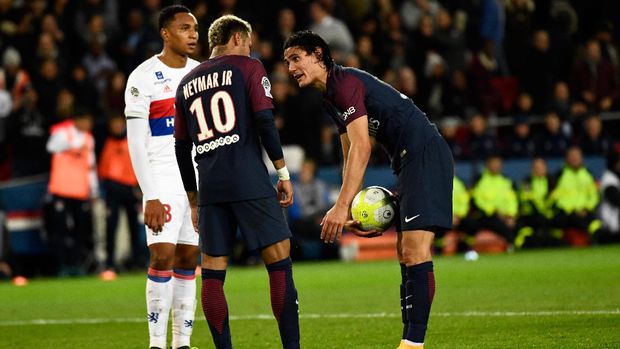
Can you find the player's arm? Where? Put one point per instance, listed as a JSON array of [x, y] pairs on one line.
[[353, 226], [346, 145], [357, 157], [137, 104], [183, 150], [137, 135], [271, 142], [258, 88]]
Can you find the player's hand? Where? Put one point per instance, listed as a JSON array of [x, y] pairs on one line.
[[333, 223], [285, 193], [354, 226], [154, 215], [194, 210]]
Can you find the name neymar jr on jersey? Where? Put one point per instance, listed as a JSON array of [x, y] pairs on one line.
[[206, 82]]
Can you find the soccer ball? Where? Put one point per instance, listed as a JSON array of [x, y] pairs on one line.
[[374, 208]]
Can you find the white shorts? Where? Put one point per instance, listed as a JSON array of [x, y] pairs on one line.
[[178, 227]]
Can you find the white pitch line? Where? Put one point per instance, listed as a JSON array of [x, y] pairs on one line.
[[322, 316]]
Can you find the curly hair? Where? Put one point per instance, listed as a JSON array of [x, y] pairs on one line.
[[223, 28]]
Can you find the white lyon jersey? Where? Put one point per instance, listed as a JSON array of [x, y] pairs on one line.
[[149, 94]]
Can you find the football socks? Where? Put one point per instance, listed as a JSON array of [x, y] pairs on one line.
[[420, 292], [183, 306], [158, 302], [284, 302], [215, 307], [403, 294]]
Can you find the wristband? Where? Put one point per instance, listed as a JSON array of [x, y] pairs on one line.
[[283, 174]]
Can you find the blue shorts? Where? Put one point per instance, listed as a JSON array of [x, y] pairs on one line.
[[261, 222], [425, 189]]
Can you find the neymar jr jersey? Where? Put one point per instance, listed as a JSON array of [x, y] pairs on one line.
[[215, 107], [393, 119], [149, 94]]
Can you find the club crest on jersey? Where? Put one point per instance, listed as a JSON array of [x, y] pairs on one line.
[[267, 86], [134, 91], [159, 75]]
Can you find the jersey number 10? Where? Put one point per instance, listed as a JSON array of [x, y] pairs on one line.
[[222, 126]]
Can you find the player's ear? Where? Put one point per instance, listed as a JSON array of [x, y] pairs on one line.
[[163, 32], [237, 39], [318, 54]]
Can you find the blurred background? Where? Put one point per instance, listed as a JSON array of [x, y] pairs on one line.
[[526, 93]]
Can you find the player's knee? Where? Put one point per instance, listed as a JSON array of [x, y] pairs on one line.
[[161, 260], [415, 255], [186, 261]]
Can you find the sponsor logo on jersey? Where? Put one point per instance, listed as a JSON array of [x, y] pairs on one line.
[[134, 91], [266, 86], [161, 117], [216, 143], [159, 75], [167, 89], [348, 112], [160, 82]]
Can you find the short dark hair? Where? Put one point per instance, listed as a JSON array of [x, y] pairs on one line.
[[309, 42], [166, 15]]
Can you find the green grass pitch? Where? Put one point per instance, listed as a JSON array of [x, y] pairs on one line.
[[565, 298]]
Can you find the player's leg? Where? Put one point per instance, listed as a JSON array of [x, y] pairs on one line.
[[159, 291], [284, 302], [403, 284], [184, 294], [420, 287], [217, 228], [272, 237], [184, 283], [425, 205], [159, 286], [214, 304]]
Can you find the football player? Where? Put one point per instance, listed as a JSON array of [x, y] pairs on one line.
[[362, 107], [225, 108], [171, 238]]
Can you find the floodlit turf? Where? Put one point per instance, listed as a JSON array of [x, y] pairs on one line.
[[568, 298]]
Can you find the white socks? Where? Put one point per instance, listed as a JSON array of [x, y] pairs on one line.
[[183, 306], [158, 302]]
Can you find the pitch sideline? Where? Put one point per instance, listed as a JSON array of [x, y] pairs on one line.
[[322, 316]]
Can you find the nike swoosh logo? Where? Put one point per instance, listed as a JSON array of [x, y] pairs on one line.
[[407, 219]]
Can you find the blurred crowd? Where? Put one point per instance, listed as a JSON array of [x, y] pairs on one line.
[[501, 78], [548, 67]]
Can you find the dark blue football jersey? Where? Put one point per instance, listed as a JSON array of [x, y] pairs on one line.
[[215, 107], [393, 119]]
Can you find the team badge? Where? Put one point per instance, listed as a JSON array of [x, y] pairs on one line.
[[134, 91], [159, 75], [266, 86]]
